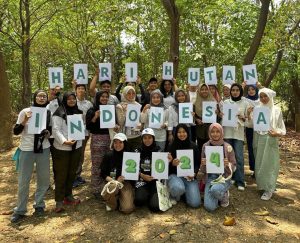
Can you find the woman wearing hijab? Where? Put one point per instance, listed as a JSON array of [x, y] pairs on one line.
[[100, 140], [217, 192], [203, 95], [122, 192], [133, 134], [266, 147], [187, 186], [180, 97], [156, 100], [34, 148], [66, 153], [235, 135], [252, 99]]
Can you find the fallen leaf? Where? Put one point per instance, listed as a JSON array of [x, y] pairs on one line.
[[172, 232], [262, 213], [82, 233], [9, 212], [229, 221], [162, 235], [271, 220]]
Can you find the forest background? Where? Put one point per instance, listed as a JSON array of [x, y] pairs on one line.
[[37, 34]]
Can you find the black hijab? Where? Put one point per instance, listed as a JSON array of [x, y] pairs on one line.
[[241, 92]]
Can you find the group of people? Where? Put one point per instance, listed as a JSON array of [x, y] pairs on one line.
[[109, 144]]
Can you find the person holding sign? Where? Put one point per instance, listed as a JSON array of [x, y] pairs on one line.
[[187, 186], [133, 133], [216, 187], [252, 98], [235, 135], [100, 140], [156, 100], [118, 189], [203, 95], [145, 188], [66, 153], [226, 92], [34, 148], [152, 85], [167, 89], [181, 96], [266, 147]]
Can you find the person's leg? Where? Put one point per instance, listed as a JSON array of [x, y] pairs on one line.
[[210, 202], [141, 196], [153, 198], [126, 198], [26, 162], [249, 137], [239, 176], [71, 174], [176, 187], [192, 193], [43, 177], [81, 160]]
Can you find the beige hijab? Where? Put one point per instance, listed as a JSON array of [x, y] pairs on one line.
[[200, 99]]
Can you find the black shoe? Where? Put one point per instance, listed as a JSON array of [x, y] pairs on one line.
[[39, 212], [81, 180], [76, 183], [15, 218], [97, 196]]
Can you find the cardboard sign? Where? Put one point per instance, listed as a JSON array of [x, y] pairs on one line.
[[38, 121], [76, 128], [228, 76], [209, 111], [214, 159], [194, 76], [160, 166], [130, 166], [56, 77], [250, 74], [156, 117], [81, 73], [185, 112], [186, 165], [133, 115], [261, 119], [131, 71], [210, 75], [167, 71], [230, 112], [107, 116], [104, 71]]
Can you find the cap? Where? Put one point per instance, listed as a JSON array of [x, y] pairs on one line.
[[120, 136], [148, 131]]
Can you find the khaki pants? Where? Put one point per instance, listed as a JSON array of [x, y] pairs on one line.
[[125, 196]]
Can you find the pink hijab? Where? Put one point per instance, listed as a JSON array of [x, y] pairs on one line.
[[220, 128]]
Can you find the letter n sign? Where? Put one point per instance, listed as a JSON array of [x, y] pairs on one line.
[[76, 128]]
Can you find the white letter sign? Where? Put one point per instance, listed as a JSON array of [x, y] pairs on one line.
[[185, 112], [130, 166], [81, 73], [210, 75], [133, 115], [104, 71], [56, 77], [167, 71], [194, 76], [261, 119], [76, 128], [107, 116], [160, 165], [38, 120], [230, 112], [214, 159], [228, 74], [250, 74], [156, 117], [209, 111], [186, 165], [131, 71]]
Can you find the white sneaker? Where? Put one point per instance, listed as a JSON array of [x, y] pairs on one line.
[[232, 182], [266, 196], [241, 188], [108, 208], [173, 201], [225, 200]]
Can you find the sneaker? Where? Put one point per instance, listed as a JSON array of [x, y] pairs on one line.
[[39, 212], [16, 218], [266, 196], [232, 182], [225, 200], [76, 183], [71, 201], [173, 201], [241, 188], [108, 208], [81, 180]]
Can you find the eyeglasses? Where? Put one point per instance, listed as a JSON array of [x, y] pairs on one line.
[[41, 96]]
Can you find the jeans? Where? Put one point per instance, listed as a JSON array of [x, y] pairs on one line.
[[180, 185], [214, 193], [26, 164], [249, 137], [238, 147]]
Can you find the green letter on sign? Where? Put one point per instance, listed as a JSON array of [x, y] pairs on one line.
[[215, 159], [209, 110], [54, 77], [104, 72], [185, 163], [80, 74], [261, 118], [77, 127], [37, 120], [107, 116], [160, 166], [131, 166]]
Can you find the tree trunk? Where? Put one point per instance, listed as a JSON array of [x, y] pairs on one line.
[[260, 28], [274, 68], [174, 17], [5, 107], [295, 82]]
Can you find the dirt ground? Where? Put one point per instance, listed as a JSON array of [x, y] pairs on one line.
[[89, 221]]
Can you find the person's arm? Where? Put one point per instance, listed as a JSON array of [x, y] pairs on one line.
[[93, 83], [118, 90]]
